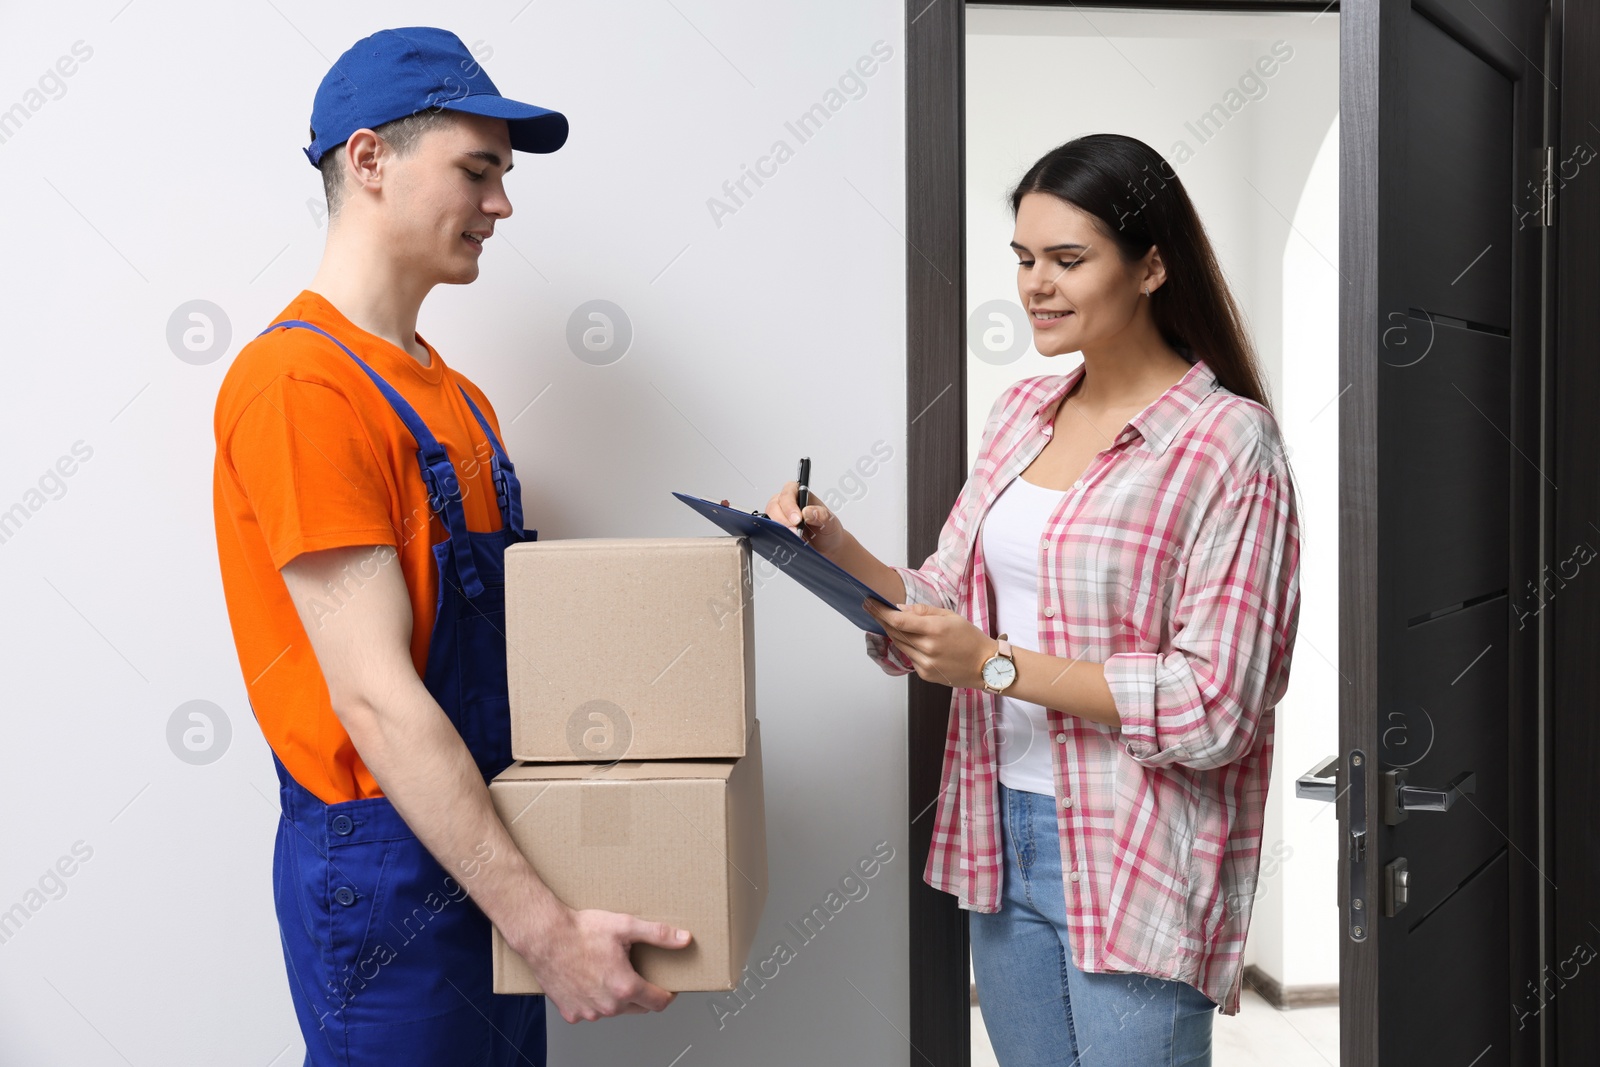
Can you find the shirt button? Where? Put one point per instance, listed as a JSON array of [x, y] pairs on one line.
[[1073, 876], [1050, 612], [346, 896], [1066, 802], [342, 825], [1078, 484], [1061, 739]]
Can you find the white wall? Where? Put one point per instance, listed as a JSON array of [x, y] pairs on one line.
[[167, 168], [1037, 78], [1307, 906]]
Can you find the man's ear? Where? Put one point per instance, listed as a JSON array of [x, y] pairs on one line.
[[364, 155]]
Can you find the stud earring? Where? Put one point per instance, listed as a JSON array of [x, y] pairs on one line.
[[1147, 290]]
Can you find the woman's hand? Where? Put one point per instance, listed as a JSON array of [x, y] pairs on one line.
[[942, 645], [823, 530]]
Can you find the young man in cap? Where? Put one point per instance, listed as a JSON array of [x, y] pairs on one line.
[[361, 487]]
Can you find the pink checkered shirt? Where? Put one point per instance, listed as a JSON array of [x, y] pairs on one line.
[[1174, 562]]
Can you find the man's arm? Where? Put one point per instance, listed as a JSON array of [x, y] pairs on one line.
[[404, 737]]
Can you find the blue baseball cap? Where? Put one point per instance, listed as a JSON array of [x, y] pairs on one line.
[[395, 73]]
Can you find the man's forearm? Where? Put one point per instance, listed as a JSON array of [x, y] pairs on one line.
[[424, 768]]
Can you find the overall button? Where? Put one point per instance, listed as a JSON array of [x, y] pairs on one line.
[[342, 825], [346, 896]]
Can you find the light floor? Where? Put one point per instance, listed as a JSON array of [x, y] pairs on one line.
[[1259, 1036]]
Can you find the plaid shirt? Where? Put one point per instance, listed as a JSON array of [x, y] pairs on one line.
[[1173, 561]]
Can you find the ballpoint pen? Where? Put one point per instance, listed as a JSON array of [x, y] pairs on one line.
[[804, 493]]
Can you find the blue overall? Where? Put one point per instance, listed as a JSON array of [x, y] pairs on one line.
[[388, 958]]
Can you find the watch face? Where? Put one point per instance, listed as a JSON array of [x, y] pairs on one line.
[[999, 672]]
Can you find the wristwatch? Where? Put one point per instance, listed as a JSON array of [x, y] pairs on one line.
[[1000, 670]]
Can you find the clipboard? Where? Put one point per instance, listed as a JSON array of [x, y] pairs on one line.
[[784, 549]]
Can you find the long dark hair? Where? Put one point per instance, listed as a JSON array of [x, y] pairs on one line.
[[1139, 201]]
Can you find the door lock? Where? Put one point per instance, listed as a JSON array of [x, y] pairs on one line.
[[1396, 886], [1322, 783]]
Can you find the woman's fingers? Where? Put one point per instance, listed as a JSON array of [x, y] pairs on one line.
[[814, 515], [818, 520], [888, 618], [905, 621], [816, 523], [903, 638], [782, 504]]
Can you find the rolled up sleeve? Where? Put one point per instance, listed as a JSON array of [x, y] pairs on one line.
[[1199, 705], [887, 655]]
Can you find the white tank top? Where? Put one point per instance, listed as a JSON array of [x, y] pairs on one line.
[[1012, 531]]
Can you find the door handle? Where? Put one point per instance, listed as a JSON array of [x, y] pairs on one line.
[[1400, 798], [1319, 783]]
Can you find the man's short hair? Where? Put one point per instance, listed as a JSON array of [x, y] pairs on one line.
[[401, 135]]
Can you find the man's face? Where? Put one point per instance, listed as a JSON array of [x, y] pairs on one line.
[[451, 185]]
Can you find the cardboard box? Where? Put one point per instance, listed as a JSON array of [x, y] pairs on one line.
[[677, 841], [637, 649]]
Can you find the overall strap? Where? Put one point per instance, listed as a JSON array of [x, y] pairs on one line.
[[438, 474], [506, 486]]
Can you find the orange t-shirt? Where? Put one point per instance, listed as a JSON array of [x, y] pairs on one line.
[[310, 455]]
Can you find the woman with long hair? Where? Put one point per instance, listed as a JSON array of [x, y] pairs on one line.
[[1113, 602]]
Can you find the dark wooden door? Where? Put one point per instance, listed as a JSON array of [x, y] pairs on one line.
[[1442, 112]]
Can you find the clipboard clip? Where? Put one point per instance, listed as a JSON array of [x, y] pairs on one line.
[[756, 513]]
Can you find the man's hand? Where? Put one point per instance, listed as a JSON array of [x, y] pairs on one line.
[[583, 967], [356, 610], [942, 645]]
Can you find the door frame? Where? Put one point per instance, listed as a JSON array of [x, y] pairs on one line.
[[1570, 1029], [936, 394], [936, 454]]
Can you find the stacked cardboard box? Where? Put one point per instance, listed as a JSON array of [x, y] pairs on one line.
[[638, 789]]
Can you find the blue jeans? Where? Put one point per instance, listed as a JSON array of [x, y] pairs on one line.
[[1039, 1009]]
